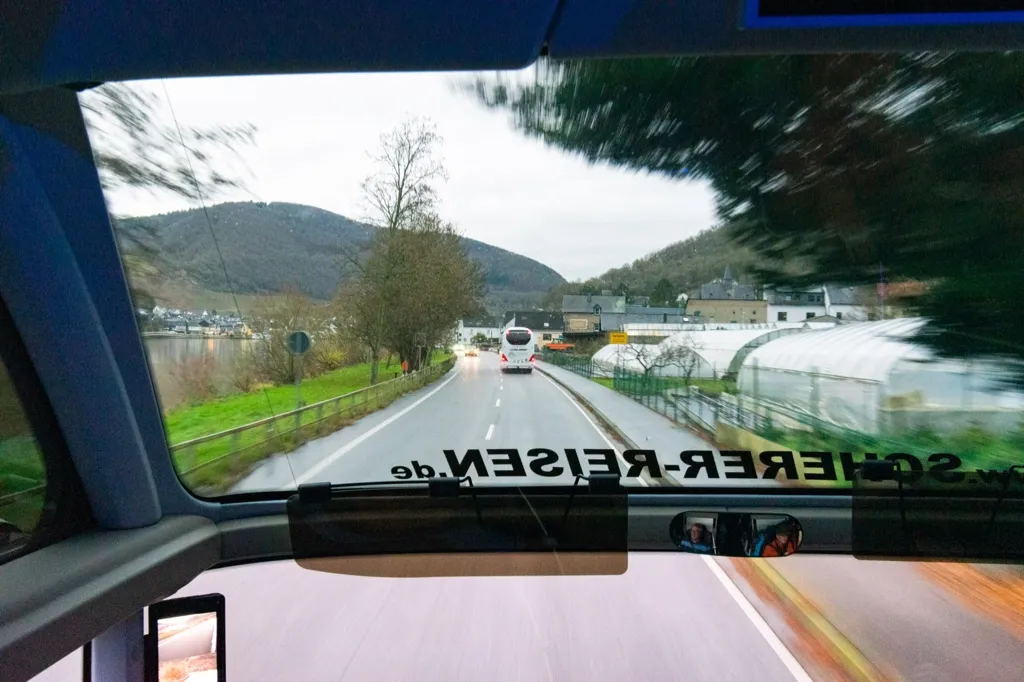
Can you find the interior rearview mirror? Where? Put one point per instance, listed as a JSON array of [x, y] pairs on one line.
[[185, 639], [736, 534]]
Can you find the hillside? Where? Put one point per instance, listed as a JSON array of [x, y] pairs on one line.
[[270, 247], [686, 265]]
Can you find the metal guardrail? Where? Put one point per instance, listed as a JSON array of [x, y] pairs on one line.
[[248, 443], [287, 430]]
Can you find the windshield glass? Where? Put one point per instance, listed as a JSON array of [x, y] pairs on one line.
[[518, 337], [736, 272]]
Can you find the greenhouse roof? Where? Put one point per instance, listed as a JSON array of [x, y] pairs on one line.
[[718, 347], [865, 350]]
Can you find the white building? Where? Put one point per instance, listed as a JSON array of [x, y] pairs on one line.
[[800, 305], [469, 328]]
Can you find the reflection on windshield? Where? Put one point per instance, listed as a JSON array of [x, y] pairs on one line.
[[822, 266]]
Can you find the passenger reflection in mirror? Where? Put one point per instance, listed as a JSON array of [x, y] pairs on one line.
[[781, 541], [698, 539]]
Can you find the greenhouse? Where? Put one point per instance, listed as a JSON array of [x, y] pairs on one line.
[[872, 377], [708, 354]]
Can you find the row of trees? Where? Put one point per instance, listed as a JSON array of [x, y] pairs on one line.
[[662, 294]]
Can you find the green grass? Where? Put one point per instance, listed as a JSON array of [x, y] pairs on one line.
[[656, 384], [21, 468], [976, 448], [215, 465], [192, 421], [21, 463], [715, 387]]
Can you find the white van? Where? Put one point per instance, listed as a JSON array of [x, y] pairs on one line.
[[516, 354]]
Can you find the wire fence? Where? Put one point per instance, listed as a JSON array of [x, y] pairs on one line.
[[685, 404], [214, 462]]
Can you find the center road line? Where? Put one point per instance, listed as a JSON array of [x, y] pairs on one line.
[[498, 404], [343, 450], [586, 416], [760, 624], [490, 432]]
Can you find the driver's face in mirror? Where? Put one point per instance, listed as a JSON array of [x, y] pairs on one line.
[[693, 533]]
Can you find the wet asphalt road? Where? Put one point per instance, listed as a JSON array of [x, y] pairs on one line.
[[473, 407]]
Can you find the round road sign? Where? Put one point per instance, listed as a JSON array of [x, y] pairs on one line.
[[298, 342]]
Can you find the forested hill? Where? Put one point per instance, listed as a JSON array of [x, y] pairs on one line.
[[685, 265], [268, 248]]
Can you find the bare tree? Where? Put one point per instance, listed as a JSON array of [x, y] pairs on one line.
[[407, 166], [682, 356], [276, 318], [401, 199], [644, 354]]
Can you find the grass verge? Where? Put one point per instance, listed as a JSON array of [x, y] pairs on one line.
[[712, 387], [214, 466], [213, 416], [21, 469]]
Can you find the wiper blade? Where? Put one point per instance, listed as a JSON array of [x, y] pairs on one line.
[[437, 487], [451, 487]]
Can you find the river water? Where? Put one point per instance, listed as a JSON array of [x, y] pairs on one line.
[[169, 359]]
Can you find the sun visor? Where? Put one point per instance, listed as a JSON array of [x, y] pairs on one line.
[[455, 531], [49, 42], [901, 513]]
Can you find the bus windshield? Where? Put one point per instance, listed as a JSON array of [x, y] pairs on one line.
[[766, 269]]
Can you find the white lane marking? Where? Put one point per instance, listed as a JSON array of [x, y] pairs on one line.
[[501, 387], [344, 449], [599, 431], [498, 404], [490, 432], [792, 665]]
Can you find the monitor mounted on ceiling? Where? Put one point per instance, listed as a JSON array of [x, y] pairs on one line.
[[879, 13]]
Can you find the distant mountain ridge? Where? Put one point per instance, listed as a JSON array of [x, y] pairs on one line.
[[268, 248]]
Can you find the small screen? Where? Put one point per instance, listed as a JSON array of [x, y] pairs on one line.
[[187, 648], [819, 8]]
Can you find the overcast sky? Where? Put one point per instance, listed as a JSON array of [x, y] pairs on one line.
[[315, 132]]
